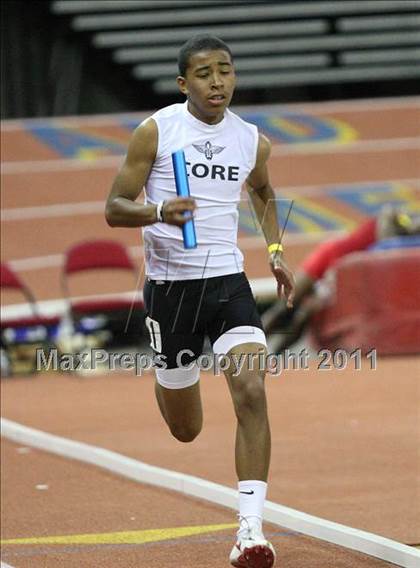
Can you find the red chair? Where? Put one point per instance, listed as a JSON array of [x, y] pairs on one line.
[[21, 336], [95, 256], [10, 280]]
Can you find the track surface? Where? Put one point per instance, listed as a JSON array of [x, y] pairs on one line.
[[116, 506], [344, 443]]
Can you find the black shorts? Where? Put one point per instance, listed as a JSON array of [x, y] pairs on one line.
[[181, 313]]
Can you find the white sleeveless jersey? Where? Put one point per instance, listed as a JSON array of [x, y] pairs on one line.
[[219, 159]]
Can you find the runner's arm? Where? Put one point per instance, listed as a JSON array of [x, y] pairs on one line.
[[264, 202], [122, 209], [262, 194]]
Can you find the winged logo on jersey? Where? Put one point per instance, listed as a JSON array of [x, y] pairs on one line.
[[208, 149]]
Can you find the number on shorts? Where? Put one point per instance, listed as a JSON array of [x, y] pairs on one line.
[[155, 335]]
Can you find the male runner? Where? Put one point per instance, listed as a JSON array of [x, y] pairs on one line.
[[190, 293]]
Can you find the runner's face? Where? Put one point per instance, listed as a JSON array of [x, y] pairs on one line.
[[209, 84]]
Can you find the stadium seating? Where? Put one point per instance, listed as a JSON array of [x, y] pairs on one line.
[[275, 43]]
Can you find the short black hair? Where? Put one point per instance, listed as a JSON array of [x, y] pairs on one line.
[[199, 42]]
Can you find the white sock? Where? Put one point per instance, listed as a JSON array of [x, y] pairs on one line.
[[251, 503]]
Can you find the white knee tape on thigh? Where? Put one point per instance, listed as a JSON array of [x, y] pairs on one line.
[[238, 336], [178, 378]]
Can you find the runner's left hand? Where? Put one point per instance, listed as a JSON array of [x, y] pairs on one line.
[[284, 277]]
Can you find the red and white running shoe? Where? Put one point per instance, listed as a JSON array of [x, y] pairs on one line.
[[252, 550]]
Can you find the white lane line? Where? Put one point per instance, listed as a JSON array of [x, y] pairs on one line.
[[342, 186], [358, 146], [285, 517], [59, 307], [244, 243], [62, 164], [74, 121], [262, 288], [350, 106], [55, 210], [95, 207], [361, 105], [36, 262], [53, 260], [4, 565]]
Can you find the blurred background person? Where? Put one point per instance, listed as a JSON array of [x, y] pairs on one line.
[[315, 278]]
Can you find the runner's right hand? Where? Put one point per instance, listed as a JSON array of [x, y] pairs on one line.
[[174, 209]]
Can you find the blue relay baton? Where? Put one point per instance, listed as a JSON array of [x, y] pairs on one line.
[[183, 190]]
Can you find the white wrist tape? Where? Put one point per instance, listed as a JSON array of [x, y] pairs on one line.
[[159, 210]]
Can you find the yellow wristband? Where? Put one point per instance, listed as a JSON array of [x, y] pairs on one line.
[[404, 220], [275, 247]]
